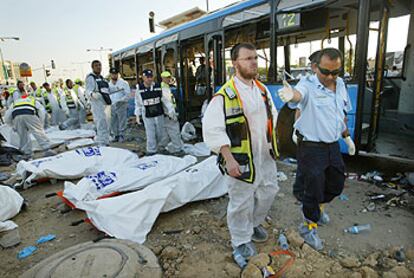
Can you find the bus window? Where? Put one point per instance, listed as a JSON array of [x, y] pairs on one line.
[[257, 34], [145, 61], [128, 71], [169, 62]]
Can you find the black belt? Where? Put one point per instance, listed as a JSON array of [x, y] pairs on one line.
[[311, 143]]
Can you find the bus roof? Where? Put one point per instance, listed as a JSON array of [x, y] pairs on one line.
[[214, 15]]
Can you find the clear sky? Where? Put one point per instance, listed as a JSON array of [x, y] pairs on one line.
[[62, 30]]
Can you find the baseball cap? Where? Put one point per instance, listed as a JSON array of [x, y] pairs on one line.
[[147, 73], [113, 70], [165, 74]]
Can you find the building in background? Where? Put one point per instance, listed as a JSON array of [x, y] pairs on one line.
[[9, 72]]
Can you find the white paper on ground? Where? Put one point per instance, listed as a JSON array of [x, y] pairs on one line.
[[76, 164], [7, 225], [199, 149], [131, 216], [10, 205], [148, 170]]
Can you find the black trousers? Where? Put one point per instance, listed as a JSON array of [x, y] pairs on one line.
[[299, 185], [322, 170]]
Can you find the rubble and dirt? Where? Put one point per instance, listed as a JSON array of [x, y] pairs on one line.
[[193, 241]]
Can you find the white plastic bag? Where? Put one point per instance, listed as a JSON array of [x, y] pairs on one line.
[[198, 149], [149, 170], [10, 205], [131, 216], [76, 164], [188, 132]]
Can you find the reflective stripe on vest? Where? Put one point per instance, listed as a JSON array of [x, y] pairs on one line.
[[69, 100], [48, 106], [24, 106], [238, 131]]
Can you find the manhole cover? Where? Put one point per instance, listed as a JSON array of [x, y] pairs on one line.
[[106, 258]]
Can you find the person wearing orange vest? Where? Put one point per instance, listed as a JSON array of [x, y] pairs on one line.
[[26, 116], [239, 125]]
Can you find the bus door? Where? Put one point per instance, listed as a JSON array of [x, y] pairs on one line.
[[193, 75], [215, 53], [378, 84], [169, 62]]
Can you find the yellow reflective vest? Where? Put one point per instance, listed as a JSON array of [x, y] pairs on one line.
[[237, 129], [70, 102], [25, 105]]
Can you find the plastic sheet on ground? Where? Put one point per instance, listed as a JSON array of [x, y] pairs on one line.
[[148, 170], [76, 164], [56, 136], [131, 216], [10, 205], [198, 149], [79, 143]]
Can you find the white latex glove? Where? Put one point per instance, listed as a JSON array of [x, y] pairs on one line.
[[173, 116], [138, 120], [294, 137], [286, 93], [350, 144], [95, 96]]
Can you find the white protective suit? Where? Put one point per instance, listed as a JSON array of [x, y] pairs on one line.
[[154, 126], [119, 109], [72, 114], [248, 203], [26, 124], [100, 110], [55, 109], [172, 126], [80, 91], [62, 115], [16, 94]]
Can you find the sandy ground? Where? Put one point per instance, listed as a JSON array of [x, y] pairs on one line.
[[193, 241]]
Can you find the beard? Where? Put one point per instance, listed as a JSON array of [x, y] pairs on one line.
[[246, 73]]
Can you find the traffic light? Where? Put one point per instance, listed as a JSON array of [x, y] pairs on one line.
[[47, 72], [53, 64], [151, 22]]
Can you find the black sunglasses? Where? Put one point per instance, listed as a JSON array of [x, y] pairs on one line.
[[328, 72]]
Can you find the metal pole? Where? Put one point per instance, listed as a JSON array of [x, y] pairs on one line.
[[341, 46], [272, 73], [379, 74], [44, 73], [361, 64], [207, 5], [3, 68]]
